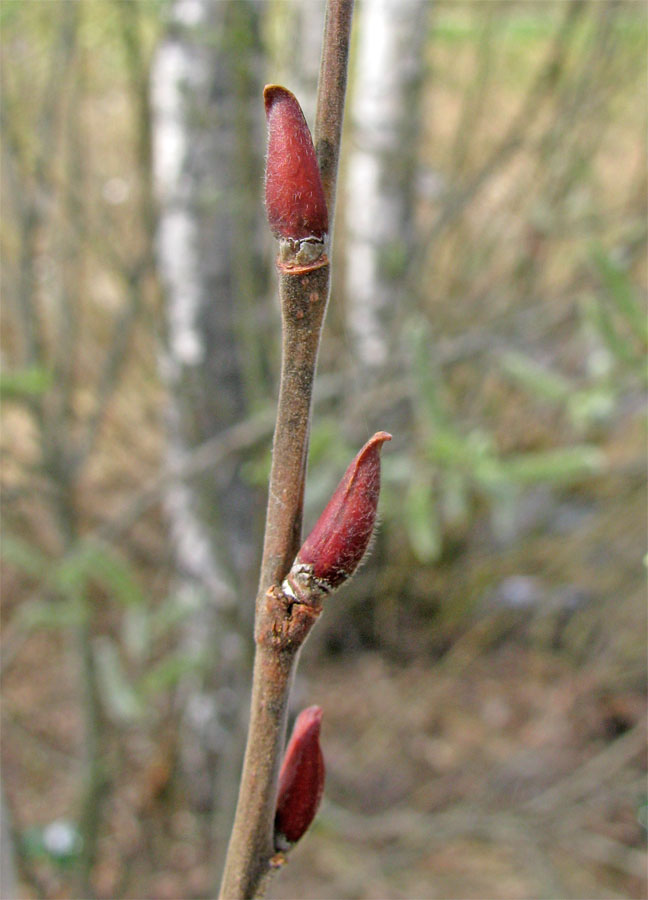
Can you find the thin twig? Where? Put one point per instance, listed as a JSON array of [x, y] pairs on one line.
[[281, 627], [331, 95]]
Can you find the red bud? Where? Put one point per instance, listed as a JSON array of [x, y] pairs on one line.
[[301, 780], [335, 547], [294, 195]]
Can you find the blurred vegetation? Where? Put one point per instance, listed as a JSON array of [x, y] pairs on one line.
[[514, 496]]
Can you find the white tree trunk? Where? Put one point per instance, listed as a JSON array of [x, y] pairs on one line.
[[206, 94], [385, 116]]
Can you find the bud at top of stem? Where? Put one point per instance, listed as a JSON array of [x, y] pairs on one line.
[[335, 547], [294, 194], [301, 780]]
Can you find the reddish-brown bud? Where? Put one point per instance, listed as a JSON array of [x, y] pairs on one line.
[[335, 547], [301, 780], [294, 195]]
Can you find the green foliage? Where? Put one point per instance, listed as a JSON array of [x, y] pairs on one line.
[[168, 672], [618, 291], [94, 563], [616, 329], [24, 383], [557, 467], [120, 697], [617, 323], [24, 556], [421, 516], [128, 671], [536, 379], [394, 260], [58, 843], [452, 464]]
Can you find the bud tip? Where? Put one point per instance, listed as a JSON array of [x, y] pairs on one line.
[[337, 544]]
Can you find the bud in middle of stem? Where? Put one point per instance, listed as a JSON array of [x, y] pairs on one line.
[[335, 547]]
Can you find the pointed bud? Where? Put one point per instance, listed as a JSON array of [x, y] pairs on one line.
[[294, 195], [335, 547], [301, 780]]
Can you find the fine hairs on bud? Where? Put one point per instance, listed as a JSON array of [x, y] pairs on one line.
[[337, 544], [301, 780], [294, 195]]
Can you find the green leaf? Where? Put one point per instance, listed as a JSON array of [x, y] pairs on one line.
[[59, 843], [620, 291], [490, 475], [136, 632], [503, 512], [92, 561], [52, 614], [449, 448], [172, 611], [119, 696], [422, 519], [591, 406], [597, 314], [169, 671], [24, 556], [29, 382], [535, 378], [560, 466], [454, 498], [117, 576], [426, 378]]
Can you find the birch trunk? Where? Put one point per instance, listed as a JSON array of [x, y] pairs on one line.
[[208, 142], [385, 117]]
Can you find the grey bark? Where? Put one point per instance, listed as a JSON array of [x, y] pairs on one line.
[[208, 148], [385, 121]]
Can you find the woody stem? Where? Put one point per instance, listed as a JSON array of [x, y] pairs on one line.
[[280, 630]]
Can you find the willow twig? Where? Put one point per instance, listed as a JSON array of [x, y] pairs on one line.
[[281, 627]]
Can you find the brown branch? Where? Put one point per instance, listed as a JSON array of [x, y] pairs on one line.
[[303, 296], [281, 625], [280, 628], [331, 95]]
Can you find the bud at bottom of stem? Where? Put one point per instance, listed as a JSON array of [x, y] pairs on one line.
[[301, 780]]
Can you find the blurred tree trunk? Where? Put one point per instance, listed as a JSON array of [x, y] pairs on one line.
[[381, 179], [206, 88], [296, 47]]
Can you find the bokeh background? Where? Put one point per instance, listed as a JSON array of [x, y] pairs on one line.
[[483, 676]]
